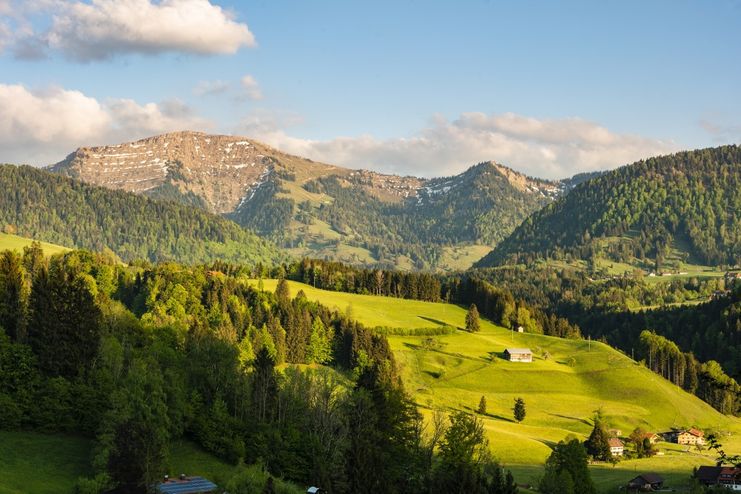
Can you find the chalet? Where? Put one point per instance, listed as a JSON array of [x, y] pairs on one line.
[[616, 446], [646, 482], [518, 354], [185, 485], [728, 477], [615, 432], [692, 436]]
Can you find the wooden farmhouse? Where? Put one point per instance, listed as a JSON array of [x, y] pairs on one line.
[[692, 436], [518, 354], [646, 482], [616, 446], [725, 476]]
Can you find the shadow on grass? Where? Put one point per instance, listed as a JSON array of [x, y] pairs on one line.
[[577, 419], [489, 415], [439, 322], [434, 374], [550, 444]]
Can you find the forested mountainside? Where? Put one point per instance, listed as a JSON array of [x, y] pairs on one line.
[[480, 206], [49, 207], [688, 202], [320, 210]]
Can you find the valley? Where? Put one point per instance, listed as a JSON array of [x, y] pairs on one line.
[[370, 247]]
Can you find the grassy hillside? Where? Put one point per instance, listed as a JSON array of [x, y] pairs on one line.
[[561, 391], [686, 202], [33, 463], [14, 242]]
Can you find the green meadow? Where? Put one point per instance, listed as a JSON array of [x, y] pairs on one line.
[[14, 242], [34, 463], [567, 381]]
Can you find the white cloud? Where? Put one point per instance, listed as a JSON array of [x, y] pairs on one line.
[[102, 29], [41, 127], [546, 148], [209, 88], [251, 88]]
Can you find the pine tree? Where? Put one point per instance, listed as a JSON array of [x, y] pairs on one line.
[[597, 444], [13, 295], [519, 410], [566, 470], [64, 329], [283, 292], [482, 406], [320, 344], [473, 323]]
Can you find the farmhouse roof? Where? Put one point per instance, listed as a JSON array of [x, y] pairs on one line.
[[186, 485], [708, 475], [652, 478], [517, 350], [615, 442], [696, 432]]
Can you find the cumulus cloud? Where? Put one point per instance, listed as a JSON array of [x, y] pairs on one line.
[[102, 29], [250, 87], [546, 148], [41, 127]]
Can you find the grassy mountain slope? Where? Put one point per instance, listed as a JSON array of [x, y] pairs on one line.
[[56, 209], [320, 210], [16, 243], [687, 203], [561, 391]]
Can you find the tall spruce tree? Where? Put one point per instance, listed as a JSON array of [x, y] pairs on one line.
[[566, 470], [64, 326], [519, 410], [597, 444], [473, 324], [13, 295]]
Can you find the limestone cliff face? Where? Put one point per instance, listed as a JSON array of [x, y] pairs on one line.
[[220, 169], [224, 171]]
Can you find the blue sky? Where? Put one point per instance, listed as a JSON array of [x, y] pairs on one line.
[[419, 87]]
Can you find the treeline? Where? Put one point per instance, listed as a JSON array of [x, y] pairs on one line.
[[340, 277], [691, 197], [706, 380], [45, 206], [138, 356], [496, 304]]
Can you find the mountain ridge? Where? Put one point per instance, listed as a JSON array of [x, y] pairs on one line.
[[302, 204]]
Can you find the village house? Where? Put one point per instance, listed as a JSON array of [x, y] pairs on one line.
[[518, 354], [646, 482], [616, 446], [615, 432], [691, 437], [728, 477]]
